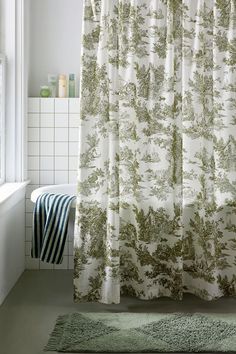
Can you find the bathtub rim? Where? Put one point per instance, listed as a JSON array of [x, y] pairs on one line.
[[69, 189]]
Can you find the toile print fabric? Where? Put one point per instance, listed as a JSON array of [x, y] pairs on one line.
[[156, 206]]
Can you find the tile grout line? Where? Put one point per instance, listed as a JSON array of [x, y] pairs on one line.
[[39, 153], [54, 137], [68, 174]]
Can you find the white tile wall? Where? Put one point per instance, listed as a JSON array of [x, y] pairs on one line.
[[53, 130]]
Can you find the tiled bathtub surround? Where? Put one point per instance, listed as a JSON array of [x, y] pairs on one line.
[[53, 125]]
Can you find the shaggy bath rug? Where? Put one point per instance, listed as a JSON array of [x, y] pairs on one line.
[[143, 332]]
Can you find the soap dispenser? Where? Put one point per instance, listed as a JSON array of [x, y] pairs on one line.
[[62, 89]]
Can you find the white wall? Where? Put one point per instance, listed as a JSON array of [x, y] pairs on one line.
[[55, 40], [12, 246]]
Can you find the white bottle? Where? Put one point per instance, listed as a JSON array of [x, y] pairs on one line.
[[62, 87]]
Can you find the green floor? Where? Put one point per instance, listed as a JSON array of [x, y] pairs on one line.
[[28, 314]]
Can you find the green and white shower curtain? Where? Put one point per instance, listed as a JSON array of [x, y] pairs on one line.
[[156, 210]]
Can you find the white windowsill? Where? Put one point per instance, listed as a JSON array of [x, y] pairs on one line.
[[8, 189]]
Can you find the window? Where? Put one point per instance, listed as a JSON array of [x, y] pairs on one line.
[[13, 40], [2, 118]]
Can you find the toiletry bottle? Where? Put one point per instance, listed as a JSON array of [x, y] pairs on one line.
[[45, 91], [62, 89], [72, 85], [52, 82]]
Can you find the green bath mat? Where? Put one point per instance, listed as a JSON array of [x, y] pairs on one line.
[[143, 332]]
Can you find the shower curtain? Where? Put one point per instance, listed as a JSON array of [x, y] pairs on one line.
[[156, 207]]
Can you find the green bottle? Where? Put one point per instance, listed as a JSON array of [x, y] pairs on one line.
[[72, 85], [45, 91]]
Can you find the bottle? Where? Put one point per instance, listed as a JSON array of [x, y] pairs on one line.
[[72, 85], [45, 91], [62, 89], [52, 82]]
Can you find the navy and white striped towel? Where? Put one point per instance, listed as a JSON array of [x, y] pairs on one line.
[[50, 224]]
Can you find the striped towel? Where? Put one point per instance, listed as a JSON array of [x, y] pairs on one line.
[[50, 224]]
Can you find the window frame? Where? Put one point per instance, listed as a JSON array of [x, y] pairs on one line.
[[14, 49], [2, 121]]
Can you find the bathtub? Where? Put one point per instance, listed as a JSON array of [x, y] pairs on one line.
[[69, 189]]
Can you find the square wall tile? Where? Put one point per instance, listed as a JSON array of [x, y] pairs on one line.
[[30, 188], [61, 163], [31, 263], [63, 265], [33, 134], [33, 120], [28, 234], [61, 105], [72, 177], [46, 149], [33, 149], [61, 120], [73, 163], [47, 163], [33, 163], [74, 121], [61, 134], [74, 105], [70, 248], [28, 219], [61, 149], [46, 134], [66, 249], [73, 149], [73, 134], [61, 177], [47, 105], [34, 105], [46, 120], [46, 177], [29, 206], [71, 262], [27, 248], [33, 176], [45, 265], [71, 238]]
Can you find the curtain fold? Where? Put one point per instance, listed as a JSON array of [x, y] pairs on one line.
[[157, 160]]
